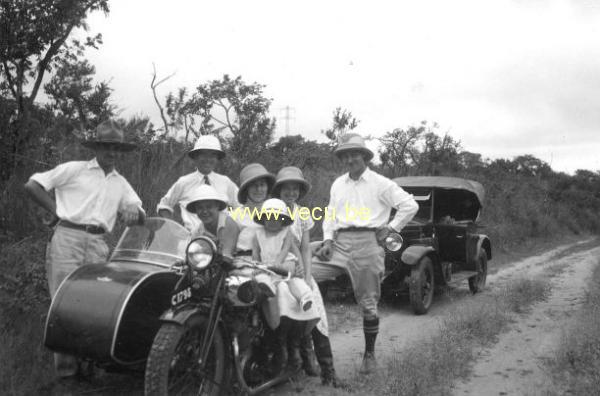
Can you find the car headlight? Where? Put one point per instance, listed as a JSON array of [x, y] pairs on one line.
[[393, 242], [200, 252]]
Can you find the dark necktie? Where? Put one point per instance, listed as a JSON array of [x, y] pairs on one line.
[[206, 181]]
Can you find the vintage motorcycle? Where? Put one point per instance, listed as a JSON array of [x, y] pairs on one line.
[[171, 307], [214, 339]]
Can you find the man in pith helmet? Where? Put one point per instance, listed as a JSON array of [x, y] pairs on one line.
[[206, 154]]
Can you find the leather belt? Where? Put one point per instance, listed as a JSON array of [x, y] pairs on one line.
[[90, 229], [357, 229]]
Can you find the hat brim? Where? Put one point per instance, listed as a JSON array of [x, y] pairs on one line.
[[304, 187], [118, 146], [350, 147], [191, 206], [243, 191], [220, 154]]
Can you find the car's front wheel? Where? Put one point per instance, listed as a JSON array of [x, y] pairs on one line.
[[477, 282], [421, 286]]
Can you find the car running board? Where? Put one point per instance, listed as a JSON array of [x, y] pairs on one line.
[[461, 276]]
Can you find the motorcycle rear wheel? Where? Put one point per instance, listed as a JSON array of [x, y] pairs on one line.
[[173, 363]]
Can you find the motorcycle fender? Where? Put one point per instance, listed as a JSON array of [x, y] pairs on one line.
[[414, 253], [179, 316]]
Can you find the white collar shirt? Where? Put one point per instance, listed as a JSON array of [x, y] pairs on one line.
[[367, 202], [86, 195], [180, 194]]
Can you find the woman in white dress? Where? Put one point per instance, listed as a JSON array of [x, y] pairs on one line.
[[291, 186]]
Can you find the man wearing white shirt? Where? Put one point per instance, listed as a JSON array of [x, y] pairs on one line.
[[360, 206], [89, 195], [206, 154]]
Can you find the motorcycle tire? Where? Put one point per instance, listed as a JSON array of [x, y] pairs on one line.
[[174, 353]]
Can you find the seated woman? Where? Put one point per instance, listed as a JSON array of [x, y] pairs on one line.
[[208, 205]]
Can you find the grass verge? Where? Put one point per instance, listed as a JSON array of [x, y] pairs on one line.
[[576, 365]]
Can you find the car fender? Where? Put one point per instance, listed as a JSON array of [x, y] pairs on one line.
[[484, 243], [414, 253]]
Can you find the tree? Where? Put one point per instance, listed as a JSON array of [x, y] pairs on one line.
[[75, 98], [399, 149], [33, 37], [343, 122], [234, 107]]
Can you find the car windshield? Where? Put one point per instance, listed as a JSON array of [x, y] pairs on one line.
[[423, 196], [159, 241]]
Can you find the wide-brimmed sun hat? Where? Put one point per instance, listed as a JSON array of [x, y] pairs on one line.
[[353, 142], [207, 143], [205, 193], [290, 174], [109, 134], [249, 174], [275, 209]]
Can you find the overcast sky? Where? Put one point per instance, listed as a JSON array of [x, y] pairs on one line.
[[504, 77]]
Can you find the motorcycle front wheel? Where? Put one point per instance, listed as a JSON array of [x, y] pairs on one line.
[[174, 367]]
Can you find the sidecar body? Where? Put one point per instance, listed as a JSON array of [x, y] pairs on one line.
[[110, 313]]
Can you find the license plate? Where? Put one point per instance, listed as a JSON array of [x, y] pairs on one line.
[[181, 296]]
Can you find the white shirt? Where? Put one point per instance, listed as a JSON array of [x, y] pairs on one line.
[[86, 195], [180, 193], [367, 202]]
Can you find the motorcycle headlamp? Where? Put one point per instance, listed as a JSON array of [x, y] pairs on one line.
[[393, 242], [200, 252]]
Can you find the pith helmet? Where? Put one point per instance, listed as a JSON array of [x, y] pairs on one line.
[[290, 174], [355, 142], [208, 143], [274, 208], [205, 193], [249, 174], [109, 133]]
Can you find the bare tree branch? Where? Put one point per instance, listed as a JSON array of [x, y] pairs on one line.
[[153, 85]]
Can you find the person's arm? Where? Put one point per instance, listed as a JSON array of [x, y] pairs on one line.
[[285, 249], [255, 249], [326, 250], [41, 197], [130, 206], [405, 205], [306, 254], [167, 203], [229, 237]]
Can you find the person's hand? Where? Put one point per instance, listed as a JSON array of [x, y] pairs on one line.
[[382, 233], [130, 214], [52, 221], [326, 251]]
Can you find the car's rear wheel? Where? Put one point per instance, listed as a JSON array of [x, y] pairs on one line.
[[421, 286], [477, 282]]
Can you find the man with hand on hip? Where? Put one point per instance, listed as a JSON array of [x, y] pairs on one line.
[[361, 201], [89, 195], [206, 154]]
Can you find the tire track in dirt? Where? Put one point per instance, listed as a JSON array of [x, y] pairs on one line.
[[400, 327], [513, 366]]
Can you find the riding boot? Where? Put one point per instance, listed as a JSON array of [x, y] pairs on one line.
[[294, 337], [325, 359], [308, 356], [280, 359]]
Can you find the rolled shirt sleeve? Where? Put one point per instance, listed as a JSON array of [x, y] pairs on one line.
[[171, 198], [55, 177]]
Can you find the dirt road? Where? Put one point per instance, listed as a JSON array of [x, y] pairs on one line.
[[400, 327]]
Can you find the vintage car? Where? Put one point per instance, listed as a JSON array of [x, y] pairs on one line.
[[441, 245]]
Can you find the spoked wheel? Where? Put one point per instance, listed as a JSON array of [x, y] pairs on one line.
[[421, 286], [174, 363], [477, 282]]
